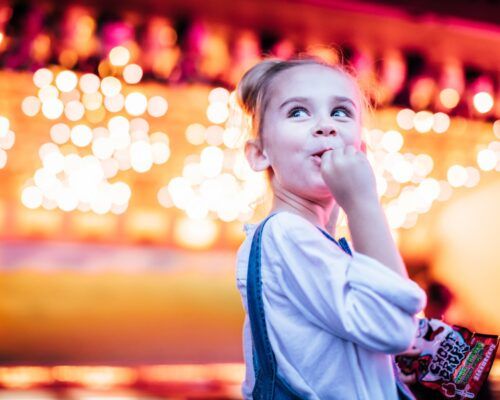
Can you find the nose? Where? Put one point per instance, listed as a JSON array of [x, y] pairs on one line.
[[326, 128]]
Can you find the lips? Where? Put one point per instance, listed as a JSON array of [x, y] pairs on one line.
[[320, 153]]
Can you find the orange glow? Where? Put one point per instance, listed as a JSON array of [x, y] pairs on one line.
[[24, 377], [449, 98]]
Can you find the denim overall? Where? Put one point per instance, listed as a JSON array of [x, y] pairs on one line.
[[268, 384]]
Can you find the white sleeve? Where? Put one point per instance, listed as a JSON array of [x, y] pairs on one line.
[[356, 298]]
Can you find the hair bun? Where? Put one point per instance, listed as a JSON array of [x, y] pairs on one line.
[[251, 83]]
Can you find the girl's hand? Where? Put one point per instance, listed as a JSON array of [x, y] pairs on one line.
[[349, 176], [409, 379]]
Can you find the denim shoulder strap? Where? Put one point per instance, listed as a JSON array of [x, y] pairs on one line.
[[263, 357]]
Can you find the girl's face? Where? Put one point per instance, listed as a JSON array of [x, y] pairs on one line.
[[311, 108]]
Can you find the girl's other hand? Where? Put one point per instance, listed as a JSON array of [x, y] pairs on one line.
[[414, 353], [349, 176]]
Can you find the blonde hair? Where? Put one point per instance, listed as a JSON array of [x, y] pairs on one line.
[[253, 87]]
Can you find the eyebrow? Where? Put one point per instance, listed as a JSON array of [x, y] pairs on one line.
[[305, 99]]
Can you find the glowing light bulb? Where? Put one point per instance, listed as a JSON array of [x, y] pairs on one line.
[[483, 102], [43, 77], [66, 81], [136, 103], [449, 98], [132, 74], [119, 56]]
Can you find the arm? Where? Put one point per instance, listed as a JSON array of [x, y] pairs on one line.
[[371, 235], [350, 178], [356, 298]]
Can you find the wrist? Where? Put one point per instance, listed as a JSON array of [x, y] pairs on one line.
[[363, 205]]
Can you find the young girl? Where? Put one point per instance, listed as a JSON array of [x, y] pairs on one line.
[[322, 322]]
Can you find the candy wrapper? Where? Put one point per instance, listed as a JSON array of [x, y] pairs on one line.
[[454, 362]]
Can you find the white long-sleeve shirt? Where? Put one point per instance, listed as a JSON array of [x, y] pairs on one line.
[[333, 320]]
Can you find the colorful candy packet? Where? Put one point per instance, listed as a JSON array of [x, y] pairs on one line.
[[454, 362]]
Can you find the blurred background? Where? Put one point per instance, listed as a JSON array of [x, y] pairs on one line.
[[124, 189]]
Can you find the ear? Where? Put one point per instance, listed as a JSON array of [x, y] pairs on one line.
[[256, 155]]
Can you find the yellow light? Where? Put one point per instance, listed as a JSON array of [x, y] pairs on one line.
[[81, 135], [52, 108], [449, 98], [430, 188], [441, 122], [395, 215], [32, 197], [217, 112], [181, 191], [70, 96], [4, 126], [159, 137], [445, 191], [381, 185], [89, 83], [404, 118], [132, 74], [157, 106], [457, 175], [487, 159], [43, 77], [67, 200], [193, 173], [218, 95], [24, 377], [31, 106], [392, 141], [66, 81], [114, 103], [164, 198], [110, 86], [92, 101], [47, 148], [160, 152], [233, 138], [136, 103], [483, 102], [3, 158], [496, 128], [196, 209], [48, 92], [423, 121], [120, 193], [53, 162], [109, 167], [473, 177], [118, 123], [46, 181], [74, 110], [139, 124], [423, 164], [119, 56], [102, 148], [139, 135], [198, 234], [214, 135], [100, 204], [141, 156], [211, 161], [7, 141], [122, 156], [195, 134]]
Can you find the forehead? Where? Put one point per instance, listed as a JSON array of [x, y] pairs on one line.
[[312, 81]]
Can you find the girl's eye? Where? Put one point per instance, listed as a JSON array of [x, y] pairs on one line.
[[340, 112], [297, 112]]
